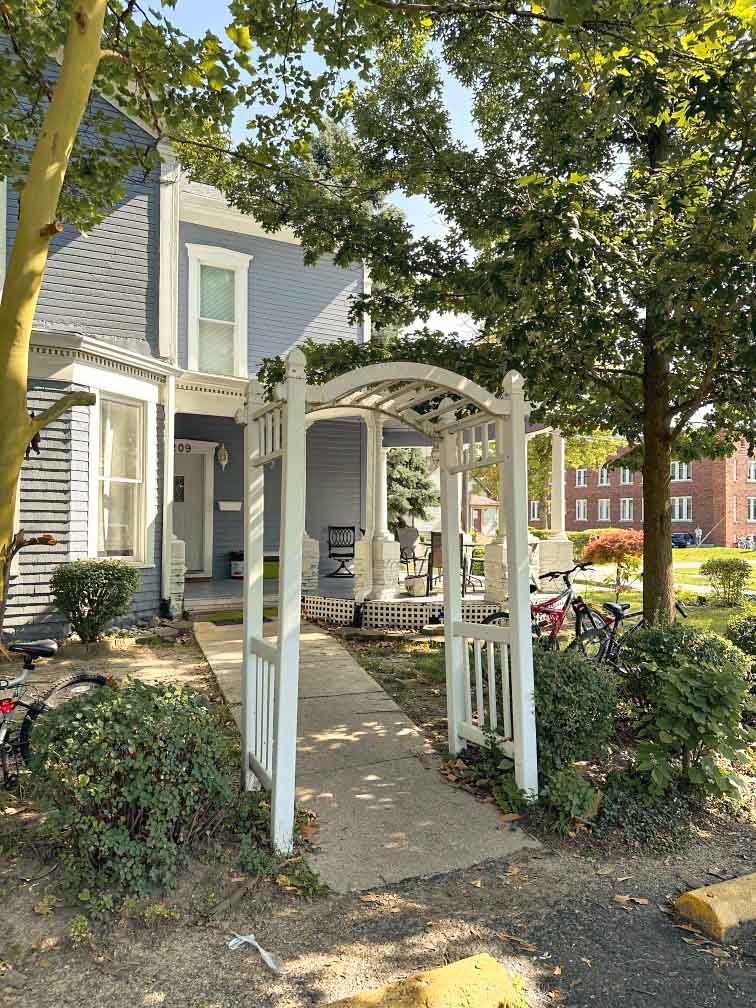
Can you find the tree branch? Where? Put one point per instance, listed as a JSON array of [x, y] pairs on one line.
[[52, 413]]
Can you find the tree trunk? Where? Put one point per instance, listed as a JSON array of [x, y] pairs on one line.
[[37, 223], [658, 587]]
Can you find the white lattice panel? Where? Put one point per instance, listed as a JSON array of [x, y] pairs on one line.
[[336, 611]]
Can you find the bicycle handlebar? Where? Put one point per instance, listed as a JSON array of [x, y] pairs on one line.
[[566, 573]]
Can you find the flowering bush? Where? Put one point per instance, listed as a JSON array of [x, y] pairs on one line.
[[623, 548]]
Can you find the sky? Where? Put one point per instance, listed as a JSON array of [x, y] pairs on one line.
[[197, 16]]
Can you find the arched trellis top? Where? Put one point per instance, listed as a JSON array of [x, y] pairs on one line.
[[427, 398]]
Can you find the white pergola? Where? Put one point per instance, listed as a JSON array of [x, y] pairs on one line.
[[489, 669]]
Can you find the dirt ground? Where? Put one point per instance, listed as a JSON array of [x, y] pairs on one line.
[[553, 916]]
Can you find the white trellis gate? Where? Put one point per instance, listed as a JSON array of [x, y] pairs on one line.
[[489, 669]]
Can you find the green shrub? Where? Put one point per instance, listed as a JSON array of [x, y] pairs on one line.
[[132, 776], [92, 593], [728, 577], [569, 796], [690, 687], [742, 633], [575, 703], [660, 823]]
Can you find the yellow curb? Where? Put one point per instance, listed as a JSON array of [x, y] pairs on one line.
[[477, 982], [719, 909]]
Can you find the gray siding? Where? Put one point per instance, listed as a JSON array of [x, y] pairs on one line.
[[55, 499], [105, 283], [334, 482], [288, 301]]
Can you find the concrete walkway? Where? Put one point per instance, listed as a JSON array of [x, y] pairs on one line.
[[385, 813]]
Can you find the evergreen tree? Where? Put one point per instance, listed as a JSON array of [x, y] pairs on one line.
[[410, 491]]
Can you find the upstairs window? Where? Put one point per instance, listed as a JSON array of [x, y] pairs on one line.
[[626, 476], [603, 476], [581, 477], [218, 310], [751, 477], [535, 510], [681, 471]]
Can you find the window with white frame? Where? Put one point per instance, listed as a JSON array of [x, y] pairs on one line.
[[681, 471], [682, 509], [535, 510], [218, 310], [121, 508], [751, 472], [626, 476], [603, 476], [735, 509], [604, 509], [581, 509], [626, 509], [751, 508], [581, 477]]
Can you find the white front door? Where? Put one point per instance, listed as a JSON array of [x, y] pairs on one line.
[[193, 503]]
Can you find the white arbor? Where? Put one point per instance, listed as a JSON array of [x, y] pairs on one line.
[[489, 669]]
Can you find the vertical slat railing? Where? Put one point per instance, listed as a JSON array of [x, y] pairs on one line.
[[487, 707]]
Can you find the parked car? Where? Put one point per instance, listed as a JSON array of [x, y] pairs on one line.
[[683, 539]]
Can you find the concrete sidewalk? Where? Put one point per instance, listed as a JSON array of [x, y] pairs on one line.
[[385, 813]]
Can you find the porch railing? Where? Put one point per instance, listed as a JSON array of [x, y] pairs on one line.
[[487, 694]]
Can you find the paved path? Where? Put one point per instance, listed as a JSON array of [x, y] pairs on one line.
[[384, 811]]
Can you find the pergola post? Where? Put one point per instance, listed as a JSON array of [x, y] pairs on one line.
[[510, 435], [453, 644], [310, 545], [555, 553], [254, 515], [289, 603]]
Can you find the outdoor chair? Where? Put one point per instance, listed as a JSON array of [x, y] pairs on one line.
[[434, 561], [341, 541], [408, 540]]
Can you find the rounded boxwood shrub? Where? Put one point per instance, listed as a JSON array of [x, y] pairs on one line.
[[689, 687], [575, 704], [92, 593], [729, 577], [131, 777]]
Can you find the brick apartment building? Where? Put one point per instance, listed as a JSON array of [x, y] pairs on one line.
[[717, 495]]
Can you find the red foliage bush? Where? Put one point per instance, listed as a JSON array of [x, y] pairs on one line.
[[614, 546]]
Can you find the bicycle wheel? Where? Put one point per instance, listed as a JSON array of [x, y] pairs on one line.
[[591, 635], [58, 694], [543, 640]]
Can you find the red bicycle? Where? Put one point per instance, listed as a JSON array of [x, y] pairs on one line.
[[549, 616]]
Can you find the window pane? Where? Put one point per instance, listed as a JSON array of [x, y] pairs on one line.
[[217, 293], [120, 440], [119, 519], [216, 347]]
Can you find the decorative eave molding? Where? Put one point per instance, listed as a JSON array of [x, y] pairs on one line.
[[233, 388], [217, 213], [73, 346]]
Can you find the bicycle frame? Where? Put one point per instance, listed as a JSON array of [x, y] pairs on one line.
[[553, 611]]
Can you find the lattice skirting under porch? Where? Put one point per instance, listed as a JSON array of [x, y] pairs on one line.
[[378, 615]]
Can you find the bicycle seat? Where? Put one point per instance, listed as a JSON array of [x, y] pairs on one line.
[[35, 649], [617, 609]]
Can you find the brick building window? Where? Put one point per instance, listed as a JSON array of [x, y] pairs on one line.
[[603, 476], [751, 502], [626, 509], [681, 471], [535, 510], [682, 508], [581, 509], [581, 477], [604, 509], [626, 476], [751, 477]]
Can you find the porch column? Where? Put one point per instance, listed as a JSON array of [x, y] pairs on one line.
[[386, 550], [310, 546], [363, 550], [556, 553]]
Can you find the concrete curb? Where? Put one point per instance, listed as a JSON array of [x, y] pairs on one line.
[[722, 908], [478, 981]]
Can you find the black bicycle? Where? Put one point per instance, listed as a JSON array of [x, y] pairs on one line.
[[604, 642], [16, 732]]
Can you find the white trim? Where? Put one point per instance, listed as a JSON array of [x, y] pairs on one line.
[[367, 288], [674, 472], [75, 347], [584, 508], [751, 471], [608, 509], [166, 546], [214, 211], [207, 450], [628, 505], [3, 230], [603, 476], [581, 477], [687, 515], [751, 509], [626, 476], [170, 181], [238, 262]]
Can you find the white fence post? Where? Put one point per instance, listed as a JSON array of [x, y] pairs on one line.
[[254, 513], [289, 603], [510, 435], [453, 645]]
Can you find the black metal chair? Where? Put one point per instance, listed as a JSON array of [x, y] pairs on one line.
[[435, 562], [341, 542], [408, 537]]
